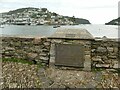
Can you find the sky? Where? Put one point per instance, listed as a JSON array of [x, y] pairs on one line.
[[96, 11]]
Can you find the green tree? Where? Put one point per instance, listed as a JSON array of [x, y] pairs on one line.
[[34, 15], [54, 14], [73, 18], [44, 9]]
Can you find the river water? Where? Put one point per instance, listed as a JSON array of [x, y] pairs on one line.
[[110, 31]]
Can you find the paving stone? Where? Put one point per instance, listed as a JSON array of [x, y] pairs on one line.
[[98, 76]]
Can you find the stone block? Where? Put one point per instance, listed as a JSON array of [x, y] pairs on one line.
[[45, 61], [9, 48], [52, 49], [103, 65], [93, 50], [87, 63], [116, 65], [32, 55], [67, 42], [43, 54], [37, 41], [115, 49], [44, 58], [101, 50], [88, 42], [56, 41], [87, 52], [52, 59], [9, 53], [110, 49], [104, 57], [96, 58], [45, 50], [112, 57], [82, 42], [87, 47], [46, 43]]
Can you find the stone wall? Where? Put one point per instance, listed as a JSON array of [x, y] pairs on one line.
[[32, 49], [98, 53], [105, 53]]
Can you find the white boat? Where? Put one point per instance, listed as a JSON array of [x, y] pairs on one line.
[[33, 24], [1, 26]]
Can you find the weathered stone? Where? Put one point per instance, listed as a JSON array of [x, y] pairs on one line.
[[103, 65], [37, 50], [44, 58], [115, 64], [93, 50], [104, 58], [43, 54], [98, 76], [37, 41], [112, 57], [56, 41], [87, 52], [52, 59], [87, 47], [110, 49], [67, 42], [97, 58], [46, 43], [9, 48], [16, 44], [45, 50], [111, 70], [101, 50], [9, 53], [32, 55], [87, 63], [115, 49], [45, 61], [26, 47], [88, 42], [52, 49], [48, 40]]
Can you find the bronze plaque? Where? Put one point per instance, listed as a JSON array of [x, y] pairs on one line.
[[69, 55]]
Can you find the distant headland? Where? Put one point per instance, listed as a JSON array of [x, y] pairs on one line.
[[38, 16], [114, 22]]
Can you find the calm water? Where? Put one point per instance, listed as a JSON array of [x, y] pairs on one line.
[[16, 30], [110, 31]]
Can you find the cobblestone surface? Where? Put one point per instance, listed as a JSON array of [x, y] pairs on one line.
[[17, 75], [82, 79]]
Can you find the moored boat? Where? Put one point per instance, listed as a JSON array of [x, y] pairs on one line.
[[1, 26], [56, 26]]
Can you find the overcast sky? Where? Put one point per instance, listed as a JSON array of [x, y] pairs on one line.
[[96, 11]]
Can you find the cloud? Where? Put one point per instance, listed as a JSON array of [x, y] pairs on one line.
[[89, 9]]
